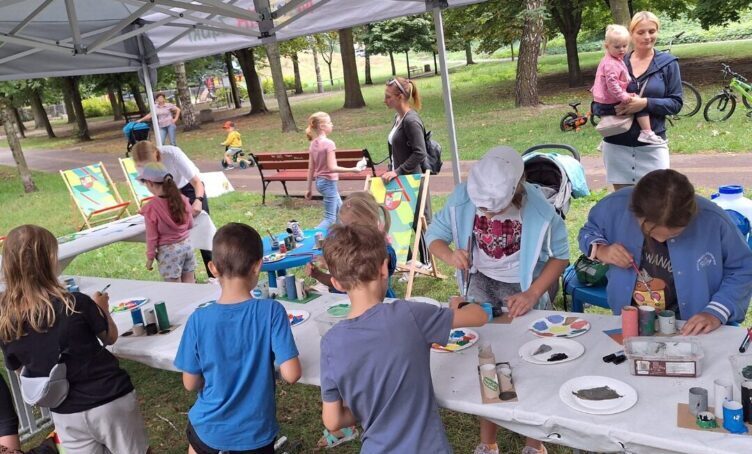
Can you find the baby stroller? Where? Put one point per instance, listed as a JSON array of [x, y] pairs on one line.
[[559, 176], [135, 132]]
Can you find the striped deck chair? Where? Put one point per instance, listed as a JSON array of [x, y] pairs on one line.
[[140, 194], [94, 195]]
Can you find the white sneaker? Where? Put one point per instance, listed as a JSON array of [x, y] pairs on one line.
[[229, 167], [651, 138], [483, 448]]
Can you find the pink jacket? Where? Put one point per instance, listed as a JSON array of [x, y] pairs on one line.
[[160, 228], [611, 80]]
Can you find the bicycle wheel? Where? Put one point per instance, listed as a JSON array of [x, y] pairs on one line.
[[567, 122], [692, 100], [720, 107], [746, 102]]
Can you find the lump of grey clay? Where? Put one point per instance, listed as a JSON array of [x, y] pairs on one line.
[[599, 393], [544, 348]]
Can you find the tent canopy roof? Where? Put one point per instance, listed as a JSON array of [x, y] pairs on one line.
[[50, 38]]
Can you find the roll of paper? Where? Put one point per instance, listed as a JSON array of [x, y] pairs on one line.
[[723, 391], [489, 380], [281, 291], [290, 287], [629, 322], [150, 317], [647, 321], [137, 316], [163, 321], [139, 330], [698, 400], [667, 322], [300, 289]]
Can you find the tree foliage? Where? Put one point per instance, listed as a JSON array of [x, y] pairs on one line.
[[719, 12], [400, 35]]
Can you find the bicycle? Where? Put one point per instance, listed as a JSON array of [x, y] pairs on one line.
[[691, 99], [722, 106], [573, 120]]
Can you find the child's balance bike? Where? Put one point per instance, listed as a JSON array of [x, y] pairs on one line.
[[239, 159]]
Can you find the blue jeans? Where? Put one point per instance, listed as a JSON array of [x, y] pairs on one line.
[[168, 130], [332, 201]]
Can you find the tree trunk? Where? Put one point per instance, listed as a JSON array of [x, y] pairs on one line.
[[526, 84], [353, 95], [573, 60], [285, 112], [120, 99], [69, 110], [187, 114], [391, 59], [407, 61], [511, 46], [435, 65], [6, 115], [40, 114], [71, 85], [317, 68], [296, 71], [136, 92], [117, 111], [544, 44], [620, 11], [469, 53], [19, 123], [369, 80], [247, 63], [233, 83], [331, 77]]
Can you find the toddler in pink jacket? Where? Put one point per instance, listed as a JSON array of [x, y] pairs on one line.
[[612, 78]]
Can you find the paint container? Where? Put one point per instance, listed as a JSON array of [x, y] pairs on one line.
[[629, 322], [647, 320], [698, 400], [137, 316], [747, 400], [733, 417], [489, 380], [486, 354], [275, 243], [300, 292], [290, 287], [139, 330], [723, 391], [150, 318], [504, 375], [281, 291], [667, 322], [163, 321]]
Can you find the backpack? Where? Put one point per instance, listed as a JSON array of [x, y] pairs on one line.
[[432, 161]]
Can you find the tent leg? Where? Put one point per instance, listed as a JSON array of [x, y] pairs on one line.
[[149, 92], [438, 23]]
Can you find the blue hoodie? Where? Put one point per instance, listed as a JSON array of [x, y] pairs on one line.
[[664, 93], [711, 262], [544, 235]]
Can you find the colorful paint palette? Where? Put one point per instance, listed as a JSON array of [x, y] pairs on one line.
[[297, 316], [459, 339], [128, 304], [338, 309], [274, 257], [560, 326]]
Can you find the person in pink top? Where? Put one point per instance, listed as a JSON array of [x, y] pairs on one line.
[[167, 118], [168, 219], [611, 80], [323, 168]]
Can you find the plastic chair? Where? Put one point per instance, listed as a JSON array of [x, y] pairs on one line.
[[581, 294], [94, 195]]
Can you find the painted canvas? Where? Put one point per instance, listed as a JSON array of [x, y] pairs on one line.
[[139, 191], [90, 188], [400, 198]]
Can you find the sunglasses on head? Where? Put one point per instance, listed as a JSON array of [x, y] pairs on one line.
[[399, 86]]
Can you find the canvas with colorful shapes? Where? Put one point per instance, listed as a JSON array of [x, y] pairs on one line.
[[400, 198], [459, 339], [560, 326]]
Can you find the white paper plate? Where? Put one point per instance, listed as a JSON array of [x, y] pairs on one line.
[[456, 342], [571, 348], [425, 299], [297, 313], [557, 325], [598, 407]]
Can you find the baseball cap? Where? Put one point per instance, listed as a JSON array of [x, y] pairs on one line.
[[493, 180], [228, 124], [153, 171]]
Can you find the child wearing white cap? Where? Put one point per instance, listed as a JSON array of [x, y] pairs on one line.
[[509, 238]]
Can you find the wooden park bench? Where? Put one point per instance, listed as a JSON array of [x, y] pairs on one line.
[[132, 116], [293, 166]]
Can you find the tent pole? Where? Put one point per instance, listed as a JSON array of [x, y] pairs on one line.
[[438, 23], [149, 92]]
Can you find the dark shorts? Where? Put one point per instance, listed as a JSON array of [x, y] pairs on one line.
[[202, 448]]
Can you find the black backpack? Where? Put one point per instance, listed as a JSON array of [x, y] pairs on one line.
[[433, 155]]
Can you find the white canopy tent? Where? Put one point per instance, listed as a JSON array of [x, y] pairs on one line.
[[52, 38]]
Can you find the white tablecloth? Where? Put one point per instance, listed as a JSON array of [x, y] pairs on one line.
[[648, 427]]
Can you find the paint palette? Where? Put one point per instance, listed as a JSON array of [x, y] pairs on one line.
[[548, 351], [297, 316], [128, 304], [459, 339], [598, 395], [556, 325], [338, 310], [274, 257]]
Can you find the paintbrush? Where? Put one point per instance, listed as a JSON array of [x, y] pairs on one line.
[[644, 282], [271, 235], [105, 289], [745, 342], [468, 274]]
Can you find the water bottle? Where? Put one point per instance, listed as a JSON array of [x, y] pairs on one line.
[[731, 198]]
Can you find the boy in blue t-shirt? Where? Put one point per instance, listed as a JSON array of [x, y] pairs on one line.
[[228, 351], [375, 365]]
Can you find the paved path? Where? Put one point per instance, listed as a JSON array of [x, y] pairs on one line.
[[704, 170]]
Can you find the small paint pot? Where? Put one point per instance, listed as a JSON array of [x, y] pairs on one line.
[[698, 400], [647, 320], [667, 322], [629, 322], [723, 391], [139, 329], [733, 417], [489, 380], [747, 400]]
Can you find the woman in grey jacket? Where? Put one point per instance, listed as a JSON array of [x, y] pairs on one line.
[[407, 139]]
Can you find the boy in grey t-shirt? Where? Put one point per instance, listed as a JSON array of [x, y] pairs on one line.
[[375, 365]]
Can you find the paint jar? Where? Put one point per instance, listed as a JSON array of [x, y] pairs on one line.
[[137, 316], [667, 322], [281, 291], [647, 320], [300, 291], [504, 375], [733, 417], [139, 330], [698, 400], [290, 287], [747, 400], [486, 354], [629, 324], [163, 321], [723, 391], [489, 380]]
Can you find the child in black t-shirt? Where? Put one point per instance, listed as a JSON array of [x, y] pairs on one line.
[[39, 320]]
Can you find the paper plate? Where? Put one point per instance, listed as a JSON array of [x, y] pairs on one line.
[[274, 257], [572, 349], [297, 316], [340, 309], [609, 406], [556, 325], [128, 304], [459, 339], [425, 299]]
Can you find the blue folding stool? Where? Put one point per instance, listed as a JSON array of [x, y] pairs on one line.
[[581, 293]]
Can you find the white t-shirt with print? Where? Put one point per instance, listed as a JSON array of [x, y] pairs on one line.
[[497, 245]]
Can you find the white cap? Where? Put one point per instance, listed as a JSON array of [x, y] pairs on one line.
[[493, 180]]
